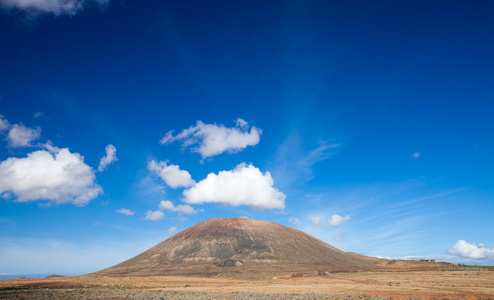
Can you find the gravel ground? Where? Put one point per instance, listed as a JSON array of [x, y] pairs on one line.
[[157, 294]]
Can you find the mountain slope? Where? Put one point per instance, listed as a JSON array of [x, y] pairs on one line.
[[244, 244]]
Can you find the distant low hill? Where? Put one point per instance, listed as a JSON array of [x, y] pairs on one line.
[[55, 276], [238, 245]]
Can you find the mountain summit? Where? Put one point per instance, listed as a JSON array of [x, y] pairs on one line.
[[237, 245]]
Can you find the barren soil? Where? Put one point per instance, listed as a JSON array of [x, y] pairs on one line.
[[398, 283]]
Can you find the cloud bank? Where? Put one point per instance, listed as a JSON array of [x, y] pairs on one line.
[[109, 158], [212, 139], [55, 7], [244, 185], [465, 249], [59, 177], [171, 174]]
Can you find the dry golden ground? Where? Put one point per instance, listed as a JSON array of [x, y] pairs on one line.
[[402, 284]]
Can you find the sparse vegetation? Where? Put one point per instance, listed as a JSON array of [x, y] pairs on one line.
[[375, 284]]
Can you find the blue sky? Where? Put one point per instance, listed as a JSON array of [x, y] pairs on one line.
[[367, 125]]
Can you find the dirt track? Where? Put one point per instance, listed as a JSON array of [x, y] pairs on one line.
[[468, 284]]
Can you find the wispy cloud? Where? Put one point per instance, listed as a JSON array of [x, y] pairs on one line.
[[55, 7], [154, 215], [110, 157], [172, 230], [212, 139], [125, 211], [39, 115], [181, 208], [4, 124], [293, 162], [415, 155], [316, 221], [295, 221]]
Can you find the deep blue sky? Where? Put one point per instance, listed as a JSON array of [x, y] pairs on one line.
[[378, 114]]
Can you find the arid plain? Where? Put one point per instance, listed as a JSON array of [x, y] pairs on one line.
[[441, 283]]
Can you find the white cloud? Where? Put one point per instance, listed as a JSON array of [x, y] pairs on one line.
[[4, 124], [215, 139], [244, 185], [465, 249], [295, 221], [108, 158], [415, 155], [181, 208], [154, 215], [21, 136], [172, 230], [242, 123], [56, 7], [336, 220], [60, 177], [171, 174], [125, 211], [316, 221], [337, 238]]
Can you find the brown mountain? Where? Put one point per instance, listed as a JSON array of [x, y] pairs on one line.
[[237, 245]]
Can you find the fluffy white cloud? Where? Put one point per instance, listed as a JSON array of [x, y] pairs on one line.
[[215, 139], [171, 174], [465, 249], [56, 7], [21, 136], [125, 211], [108, 158], [415, 155], [59, 177], [244, 185], [4, 124], [316, 221], [181, 208], [154, 215], [295, 221], [336, 220]]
